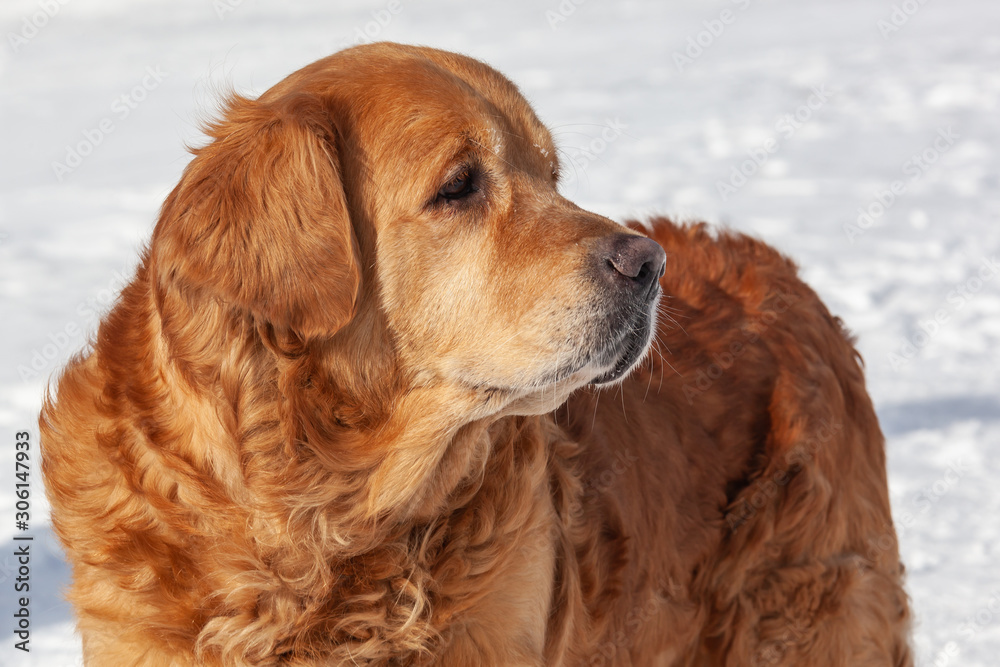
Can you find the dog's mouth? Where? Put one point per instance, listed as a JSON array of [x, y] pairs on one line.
[[618, 340], [631, 350], [626, 350]]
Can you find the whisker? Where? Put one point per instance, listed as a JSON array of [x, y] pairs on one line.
[[649, 382], [621, 392], [593, 421], [490, 149]]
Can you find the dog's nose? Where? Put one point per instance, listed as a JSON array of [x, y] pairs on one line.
[[636, 261]]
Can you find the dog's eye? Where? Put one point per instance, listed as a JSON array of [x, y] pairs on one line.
[[457, 188]]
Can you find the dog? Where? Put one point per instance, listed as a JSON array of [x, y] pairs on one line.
[[378, 394]]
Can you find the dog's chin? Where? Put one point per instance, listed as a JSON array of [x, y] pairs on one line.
[[627, 353], [538, 403], [606, 366], [540, 400], [537, 400]]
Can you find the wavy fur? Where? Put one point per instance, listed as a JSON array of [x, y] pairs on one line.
[[300, 439]]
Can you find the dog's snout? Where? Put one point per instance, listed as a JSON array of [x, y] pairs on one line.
[[637, 260]]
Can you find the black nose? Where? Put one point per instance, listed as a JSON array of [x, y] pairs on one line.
[[635, 262]]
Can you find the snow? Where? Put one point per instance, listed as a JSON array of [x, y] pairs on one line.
[[830, 107]]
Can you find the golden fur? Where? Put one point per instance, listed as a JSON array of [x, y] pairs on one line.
[[343, 416]]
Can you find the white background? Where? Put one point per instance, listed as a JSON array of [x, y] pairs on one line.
[[67, 239]]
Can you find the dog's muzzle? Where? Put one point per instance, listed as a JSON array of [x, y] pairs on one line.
[[630, 268]]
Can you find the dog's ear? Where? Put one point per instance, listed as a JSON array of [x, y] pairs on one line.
[[260, 218]]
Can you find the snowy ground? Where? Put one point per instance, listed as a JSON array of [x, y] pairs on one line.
[[847, 105]]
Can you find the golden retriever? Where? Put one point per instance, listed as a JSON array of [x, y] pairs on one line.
[[378, 394]]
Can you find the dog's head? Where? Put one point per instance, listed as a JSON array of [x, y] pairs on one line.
[[403, 201]]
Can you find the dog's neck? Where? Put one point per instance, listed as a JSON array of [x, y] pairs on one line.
[[330, 497], [375, 454]]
